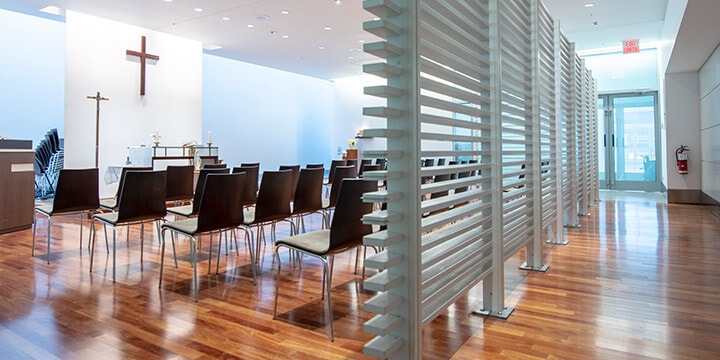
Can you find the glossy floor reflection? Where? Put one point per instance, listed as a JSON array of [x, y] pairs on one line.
[[639, 279]]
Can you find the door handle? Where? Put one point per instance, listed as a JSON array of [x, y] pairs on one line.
[[613, 140], [605, 140]]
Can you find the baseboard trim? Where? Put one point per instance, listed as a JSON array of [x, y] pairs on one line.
[[676, 196]]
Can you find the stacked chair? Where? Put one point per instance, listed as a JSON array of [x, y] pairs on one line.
[[49, 159]]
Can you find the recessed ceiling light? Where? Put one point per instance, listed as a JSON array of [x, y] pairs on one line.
[[198, 9], [211, 47], [168, 0], [54, 10], [285, 12], [589, 5], [350, 57], [376, 18], [250, 26], [225, 18], [327, 28], [285, 36], [321, 48], [260, 17], [361, 41], [338, 2]]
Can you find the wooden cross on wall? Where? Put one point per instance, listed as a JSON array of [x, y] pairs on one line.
[[143, 55]]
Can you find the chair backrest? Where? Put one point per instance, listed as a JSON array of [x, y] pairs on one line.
[[257, 164], [366, 162], [368, 167], [315, 166], [308, 196], [382, 162], [441, 161], [214, 166], [142, 196], [251, 183], [295, 176], [273, 202], [347, 228], [341, 172], [334, 164], [77, 190], [201, 184], [438, 179], [221, 204], [179, 182], [353, 163], [122, 175]]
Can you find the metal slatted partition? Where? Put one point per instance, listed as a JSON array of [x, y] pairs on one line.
[[481, 84], [439, 237], [549, 150], [517, 125], [583, 137], [567, 119], [595, 176]]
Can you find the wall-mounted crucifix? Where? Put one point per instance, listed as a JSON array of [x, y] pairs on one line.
[[144, 56]]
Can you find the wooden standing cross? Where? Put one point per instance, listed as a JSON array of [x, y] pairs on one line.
[[143, 55], [97, 99]]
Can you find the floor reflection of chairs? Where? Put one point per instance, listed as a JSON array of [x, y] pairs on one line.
[[76, 193], [345, 233], [220, 210], [141, 199]]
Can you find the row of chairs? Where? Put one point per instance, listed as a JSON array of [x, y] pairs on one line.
[[49, 159], [218, 206]]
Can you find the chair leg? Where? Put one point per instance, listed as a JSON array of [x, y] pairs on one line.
[[114, 250], [142, 239], [49, 222], [162, 256], [210, 251], [328, 271], [81, 227], [91, 247], [217, 265], [253, 265], [172, 240], [277, 283], [34, 228], [193, 260]]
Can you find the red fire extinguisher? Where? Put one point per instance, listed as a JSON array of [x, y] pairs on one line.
[[682, 159]]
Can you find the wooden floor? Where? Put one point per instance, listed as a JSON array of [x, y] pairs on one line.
[[639, 280]]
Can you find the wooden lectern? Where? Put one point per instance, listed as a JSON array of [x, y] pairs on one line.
[[17, 185]]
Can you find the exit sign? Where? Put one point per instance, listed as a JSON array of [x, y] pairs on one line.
[[631, 46]]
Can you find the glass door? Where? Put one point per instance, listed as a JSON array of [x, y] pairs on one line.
[[629, 141]]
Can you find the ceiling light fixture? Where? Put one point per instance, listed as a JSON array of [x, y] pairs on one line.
[[327, 28], [321, 48], [54, 10], [168, 0], [285, 36], [285, 12], [589, 5], [198, 9], [250, 26], [225, 18], [338, 2]]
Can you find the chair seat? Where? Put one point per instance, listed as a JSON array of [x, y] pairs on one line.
[[326, 203], [112, 218], [185, 210], [315, 242], [108, 203], [249, 215], [186, 226]]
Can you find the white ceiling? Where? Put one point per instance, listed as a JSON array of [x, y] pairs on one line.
[[604, 25]]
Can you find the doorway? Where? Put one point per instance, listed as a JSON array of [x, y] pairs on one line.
[[629, 141]]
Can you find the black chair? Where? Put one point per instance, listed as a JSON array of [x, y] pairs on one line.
[[341, 172], [221, 209], [308, 197], [345, 233], [111, 204], [315, 166], [214, 166], [273, 205], [251, 183], [382, 162], [257, 164], [141, 200], [295, 175], [353, 163], [76, 193], [331, 174], [192, 209], [368, 167], [179, 185]]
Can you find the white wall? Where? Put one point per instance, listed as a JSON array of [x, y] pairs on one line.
[[348, 114], [32, 76], [682, 111], [259, 114], [96, 61], [710, 125]]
